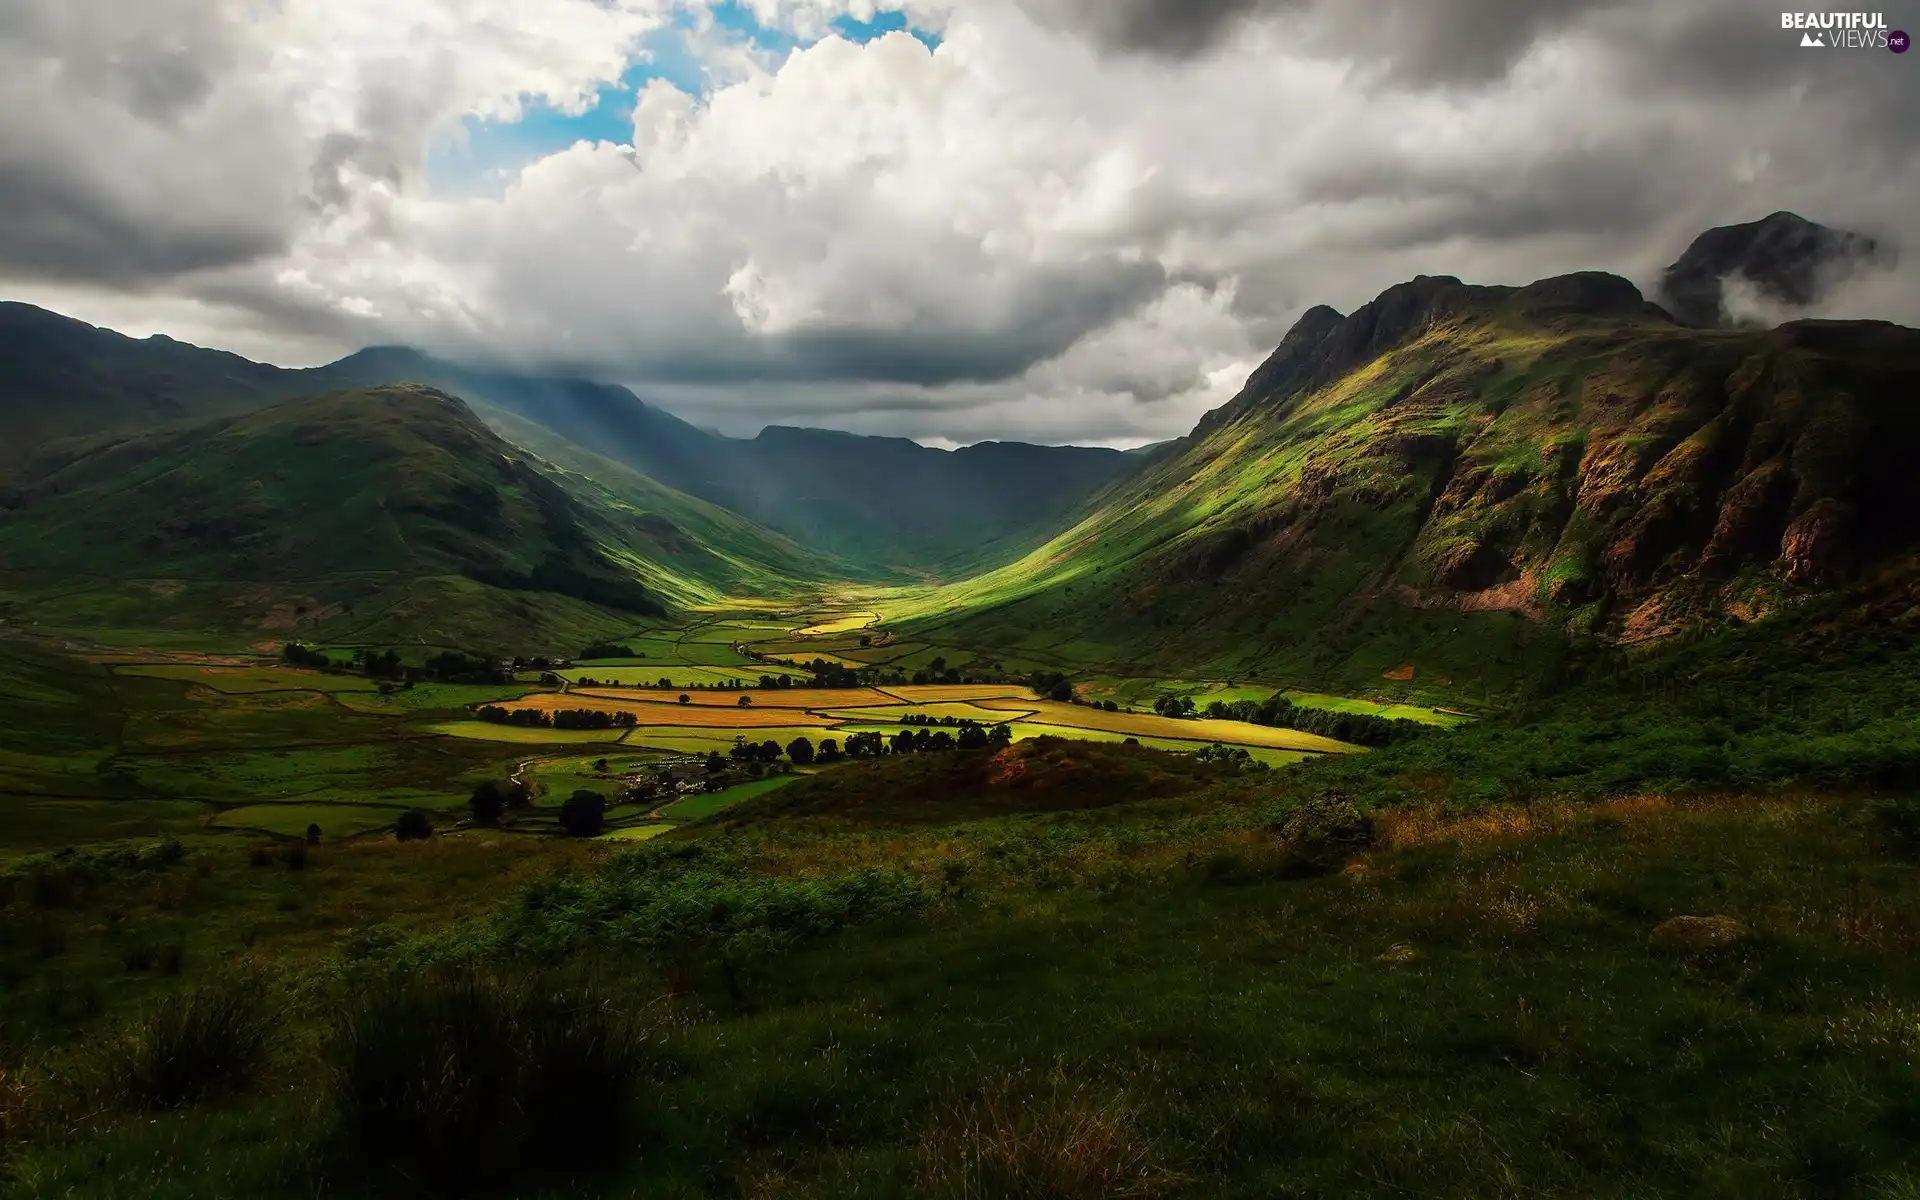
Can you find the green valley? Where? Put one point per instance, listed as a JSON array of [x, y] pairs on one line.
[[1482, 759]]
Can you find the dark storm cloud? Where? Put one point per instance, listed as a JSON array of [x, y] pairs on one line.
[[1175, 28], [1046, 318], [118, 160], [60, 224], [1613, 189], [1417, 42]]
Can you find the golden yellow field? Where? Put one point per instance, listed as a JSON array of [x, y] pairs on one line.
[[786, 698], [670, 712], [923, 693], [844, 623], [959, 711], [1075, 716]]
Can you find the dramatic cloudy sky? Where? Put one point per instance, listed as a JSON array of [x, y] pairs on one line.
[[1064, 220]]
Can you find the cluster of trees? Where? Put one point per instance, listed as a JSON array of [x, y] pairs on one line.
[[1360, 729], [449, 666], [566, 718], [938, 672], [745, 751], [1051, 685], [832, 674], [1234, 758], [609, 650]]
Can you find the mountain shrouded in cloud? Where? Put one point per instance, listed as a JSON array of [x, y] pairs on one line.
[[949, 219]]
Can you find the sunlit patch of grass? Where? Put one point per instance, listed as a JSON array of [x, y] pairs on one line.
[[1048, 1136]]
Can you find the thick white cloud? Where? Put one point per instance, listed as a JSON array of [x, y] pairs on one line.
[[1058, 224]]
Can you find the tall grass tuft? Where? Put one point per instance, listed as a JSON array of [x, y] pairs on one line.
[[193, 1044], [1051, 1138], [460, 1082]]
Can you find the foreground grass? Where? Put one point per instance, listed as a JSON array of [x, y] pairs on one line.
[[1155, 998]]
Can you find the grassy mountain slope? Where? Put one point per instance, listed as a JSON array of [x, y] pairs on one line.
[[880, 504], [1454, 476], [690, 551], [347, 496], [62, 378]]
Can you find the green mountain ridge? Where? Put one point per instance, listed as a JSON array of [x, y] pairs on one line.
[[338, 502], [1451, 471]]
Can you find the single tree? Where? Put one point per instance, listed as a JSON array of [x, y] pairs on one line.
[[769, 750], [488, 802], [685, 699], [313, 835], [413, 825], [745, 701], [584, 814], [829, 750], [800, 750], [972, 737], [715, 764]]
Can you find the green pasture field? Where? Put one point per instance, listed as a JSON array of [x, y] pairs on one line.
[[487, 731], [694, 807], [242, 680], [425, 697], [1392, 711], [37, 823], [681, 674], [636, 833], [1273, 757], [291, 820]]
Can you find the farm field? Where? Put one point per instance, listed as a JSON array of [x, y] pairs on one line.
[[1392, 712], [667, 712], [1072, 716], [843, 623], [636, 833], [802, 698], [225, 738], [623, 673], [487, 731], [695, 807]]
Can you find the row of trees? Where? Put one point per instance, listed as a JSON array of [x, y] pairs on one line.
[[448, 666], [566, 718], [1359, 729]]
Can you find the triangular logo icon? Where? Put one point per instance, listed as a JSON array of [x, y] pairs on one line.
[[1813, 39]]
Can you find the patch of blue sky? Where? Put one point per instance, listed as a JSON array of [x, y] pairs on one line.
[[485, 155]]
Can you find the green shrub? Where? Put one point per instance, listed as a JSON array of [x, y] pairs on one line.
[[458, 1083], [413, 825], [1322, 836], [193, 1044]]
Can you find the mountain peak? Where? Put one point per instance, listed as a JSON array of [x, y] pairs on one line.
[[1790, 260]]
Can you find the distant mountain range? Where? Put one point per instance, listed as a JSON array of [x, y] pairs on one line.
[[884, 505]]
